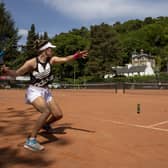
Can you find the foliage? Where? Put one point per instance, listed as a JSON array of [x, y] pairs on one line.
[[68, 44], [108, 45], [8, 35], [33, 38], [105, 50]]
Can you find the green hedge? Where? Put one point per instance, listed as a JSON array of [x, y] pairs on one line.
[[161, 77]]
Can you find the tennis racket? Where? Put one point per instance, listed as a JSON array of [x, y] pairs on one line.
[[4, 44], [2, 54]]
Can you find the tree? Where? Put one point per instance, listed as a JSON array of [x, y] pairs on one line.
[[105, 50], [148, 20], [8, 35], [67, 44], [31, 48]]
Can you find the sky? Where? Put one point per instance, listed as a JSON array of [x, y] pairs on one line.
[[56, 16]]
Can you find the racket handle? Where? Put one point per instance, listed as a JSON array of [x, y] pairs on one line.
[[1, 61], [2, 53]]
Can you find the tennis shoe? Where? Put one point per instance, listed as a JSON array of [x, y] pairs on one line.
[[33, 145]]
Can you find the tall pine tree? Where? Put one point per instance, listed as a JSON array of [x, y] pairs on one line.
[[31, 50], [8, 36]]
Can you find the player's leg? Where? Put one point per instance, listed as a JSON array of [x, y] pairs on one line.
[[40, 104], [42, 107], [56, 112], [55, 115]]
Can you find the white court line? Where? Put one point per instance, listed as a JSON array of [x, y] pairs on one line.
[[139, 126], [159, 123], [127, 124]]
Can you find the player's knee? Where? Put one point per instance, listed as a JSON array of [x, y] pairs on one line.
[[59, 116]]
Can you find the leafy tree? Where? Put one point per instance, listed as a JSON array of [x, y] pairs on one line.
[[154, 35], [67, 44], [130, 25], [148, 20], [105, 50], [8, 35]]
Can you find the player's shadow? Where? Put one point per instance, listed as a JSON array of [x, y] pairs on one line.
[[61, 130], [49, 138]]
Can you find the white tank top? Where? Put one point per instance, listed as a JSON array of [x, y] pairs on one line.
[[42, 75]]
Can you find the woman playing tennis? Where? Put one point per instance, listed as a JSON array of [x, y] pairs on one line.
[[37, 93]]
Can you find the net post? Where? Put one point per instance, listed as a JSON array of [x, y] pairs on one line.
[[116, 88], [123, 87]]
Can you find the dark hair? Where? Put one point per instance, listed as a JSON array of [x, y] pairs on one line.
[[39, 43]]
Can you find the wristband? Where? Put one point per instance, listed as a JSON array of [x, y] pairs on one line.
[[76, 55]]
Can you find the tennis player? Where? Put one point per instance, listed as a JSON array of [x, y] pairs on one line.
[[38, 94]]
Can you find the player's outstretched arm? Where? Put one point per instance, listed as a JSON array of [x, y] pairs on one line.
[[80, 54], [26, 67]]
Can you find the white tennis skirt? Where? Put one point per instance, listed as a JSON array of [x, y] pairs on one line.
[[34, 92]]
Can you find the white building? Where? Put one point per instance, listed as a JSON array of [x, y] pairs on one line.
[[142, 59], [142, 64]]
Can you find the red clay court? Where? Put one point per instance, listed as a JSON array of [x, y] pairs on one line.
[[100, 129]]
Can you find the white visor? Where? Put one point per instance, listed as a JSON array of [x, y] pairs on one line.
[[48, 45]]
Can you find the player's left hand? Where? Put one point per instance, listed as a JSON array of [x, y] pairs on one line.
[[81, 54]]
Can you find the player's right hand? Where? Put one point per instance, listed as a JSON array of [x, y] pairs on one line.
[[4, 69]]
